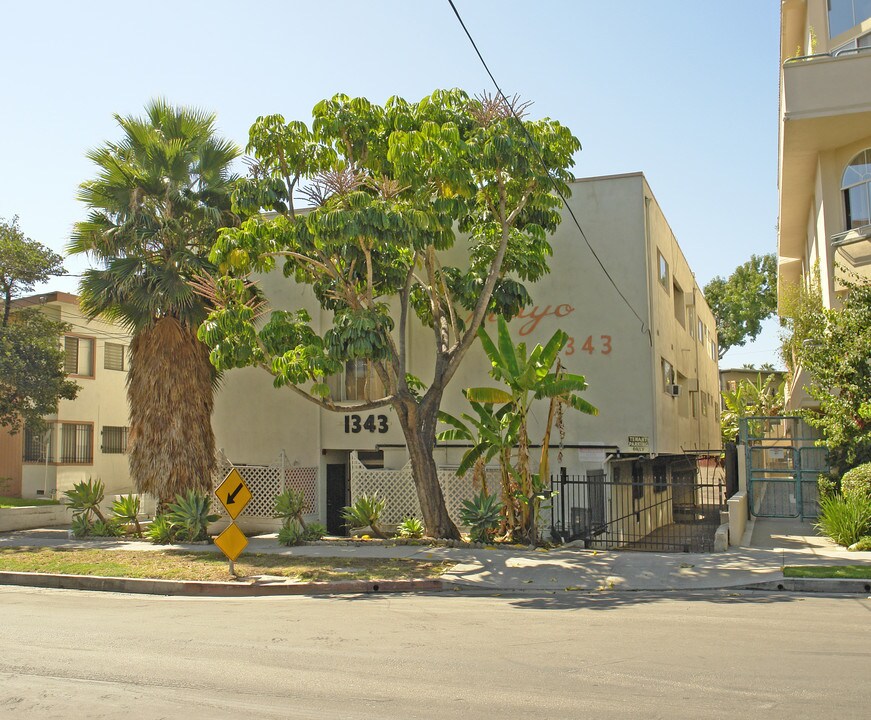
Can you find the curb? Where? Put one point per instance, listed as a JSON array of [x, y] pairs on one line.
[[814, 585], [191, 588]]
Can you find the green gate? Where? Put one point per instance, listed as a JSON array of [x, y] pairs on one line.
[[783, 463]]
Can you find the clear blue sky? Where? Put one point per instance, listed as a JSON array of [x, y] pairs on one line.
[[683, 90]]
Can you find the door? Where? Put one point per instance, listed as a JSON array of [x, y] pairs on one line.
[[338, 492]]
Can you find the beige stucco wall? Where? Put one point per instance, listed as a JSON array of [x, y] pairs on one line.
[[102, 401], [253, 421]]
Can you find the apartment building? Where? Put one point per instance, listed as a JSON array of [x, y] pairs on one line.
[[824, 169], [87, 438], [650, 359]]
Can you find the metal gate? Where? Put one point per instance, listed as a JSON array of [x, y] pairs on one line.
[[668, 504], [783, 464]]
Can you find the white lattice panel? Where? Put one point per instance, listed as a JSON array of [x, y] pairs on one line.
[[396, 488], [267, 481]]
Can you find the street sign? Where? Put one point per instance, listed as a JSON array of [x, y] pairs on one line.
[[233, 493], [231, 542]]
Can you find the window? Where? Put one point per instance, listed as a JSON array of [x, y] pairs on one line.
[[114, 440], [679, 308], [61, 444], [845, 14], [704, 403], [79, 356], [37, 446], [848, 48], [114, 357], [76, 443], [660, 476], [702, 332], [856, 185], [359, 381], [667, 374], [691, 321], [663, 271]]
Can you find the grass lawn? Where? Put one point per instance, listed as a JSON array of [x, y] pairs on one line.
[[8, 502], [184, 565], [858, 572]]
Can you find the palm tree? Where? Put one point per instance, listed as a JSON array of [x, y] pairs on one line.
[[160, 195]]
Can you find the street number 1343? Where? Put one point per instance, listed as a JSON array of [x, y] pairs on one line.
[[372, 423]]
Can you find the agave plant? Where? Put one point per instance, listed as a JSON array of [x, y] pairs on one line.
[[410, 527], [106, 528], [85, 498], [366, 512], [289, 506], [291, 533], [161, 531], [81, 526], [190, 516], [482, 514], [126, 508]]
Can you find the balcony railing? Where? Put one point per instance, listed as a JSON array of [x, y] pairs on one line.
[[835, 53]]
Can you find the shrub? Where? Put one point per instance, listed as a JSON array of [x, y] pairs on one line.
[[85, 498], [863, 544], [365, 512], [857, 482], [190, 516], [482, 514], [81, 526], [410, 527], [291, 533], [106, 528], [827, 486], [314, 531], [845, 518], [126, 508], [289, 506], [161, 531]]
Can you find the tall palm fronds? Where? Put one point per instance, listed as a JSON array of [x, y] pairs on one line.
[[159, 196]]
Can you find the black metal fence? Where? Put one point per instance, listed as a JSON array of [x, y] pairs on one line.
[[669, 504]]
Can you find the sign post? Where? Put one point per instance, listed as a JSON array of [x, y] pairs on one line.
[[234, 495]]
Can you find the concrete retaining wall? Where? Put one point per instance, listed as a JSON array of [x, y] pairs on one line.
[[31, 518]]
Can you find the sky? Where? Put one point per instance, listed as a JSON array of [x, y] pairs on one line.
[[683, 90]]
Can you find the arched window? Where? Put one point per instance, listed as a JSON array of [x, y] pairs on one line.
[[856, 185]]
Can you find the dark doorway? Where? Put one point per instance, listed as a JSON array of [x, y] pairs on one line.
[[338, 496]]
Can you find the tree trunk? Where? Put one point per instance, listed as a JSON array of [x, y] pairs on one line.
[[418, 422]]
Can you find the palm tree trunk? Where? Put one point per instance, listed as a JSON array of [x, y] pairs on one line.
[[170, 392]]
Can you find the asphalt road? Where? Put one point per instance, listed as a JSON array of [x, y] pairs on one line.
[[611, 655]]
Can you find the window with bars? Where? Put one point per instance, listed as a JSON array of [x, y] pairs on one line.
[[79, 356], [114, 439], [37, 445], [76, 443], [61, 444], [115, 356]]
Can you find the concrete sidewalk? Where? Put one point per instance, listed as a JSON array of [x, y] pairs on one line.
[[771, 545]]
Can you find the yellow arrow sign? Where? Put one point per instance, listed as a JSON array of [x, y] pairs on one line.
[[233, 493], [232, 541]]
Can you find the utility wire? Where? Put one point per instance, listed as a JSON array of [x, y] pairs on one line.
[[537, 151]]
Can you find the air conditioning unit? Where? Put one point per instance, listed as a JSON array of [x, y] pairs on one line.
[[673, 390]]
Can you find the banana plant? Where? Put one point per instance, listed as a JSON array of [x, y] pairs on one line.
[[531, 376], [492, 433]]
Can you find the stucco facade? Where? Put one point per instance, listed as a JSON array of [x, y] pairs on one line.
[[824, 172], [653, 379], [87, 436]]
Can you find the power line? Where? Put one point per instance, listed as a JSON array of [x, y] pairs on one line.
[[537, 151]]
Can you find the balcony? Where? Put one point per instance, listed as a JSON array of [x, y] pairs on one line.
[[852, 256], [822, 86], [825, 104]]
